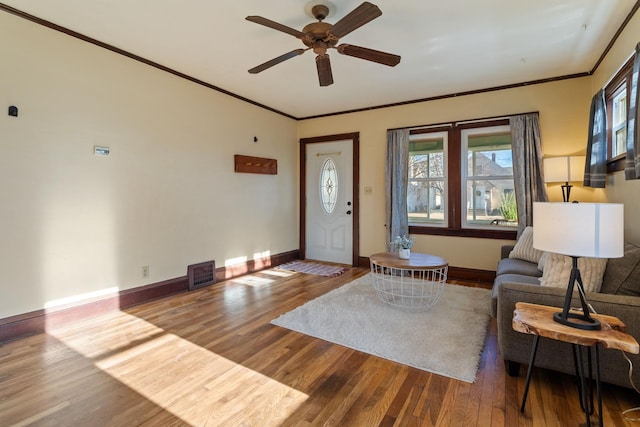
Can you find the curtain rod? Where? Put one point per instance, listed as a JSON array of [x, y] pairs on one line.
[[461, 122]]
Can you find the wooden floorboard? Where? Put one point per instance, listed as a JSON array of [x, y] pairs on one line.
[[211, 358]]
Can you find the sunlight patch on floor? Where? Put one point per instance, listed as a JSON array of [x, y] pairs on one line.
[[252, 281], [279, 273], [191, 382]]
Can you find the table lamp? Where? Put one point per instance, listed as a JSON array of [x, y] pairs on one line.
[[564, 169], [594, 230]]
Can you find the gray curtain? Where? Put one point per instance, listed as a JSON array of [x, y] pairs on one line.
[[527, 166], [397, 176], [595, 168], [632, 164]]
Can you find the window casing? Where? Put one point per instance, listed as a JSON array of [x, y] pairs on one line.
[[448, 165]]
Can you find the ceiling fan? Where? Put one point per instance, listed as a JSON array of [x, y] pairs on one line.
[[321, 36]]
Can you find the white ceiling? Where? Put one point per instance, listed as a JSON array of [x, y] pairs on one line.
[[447, 46]]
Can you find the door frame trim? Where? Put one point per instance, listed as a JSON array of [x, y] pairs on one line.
[[355, 141]]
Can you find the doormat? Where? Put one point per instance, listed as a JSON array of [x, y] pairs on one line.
[[313, 268]]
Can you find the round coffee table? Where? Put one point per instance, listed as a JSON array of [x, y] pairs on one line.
[[414, 284]]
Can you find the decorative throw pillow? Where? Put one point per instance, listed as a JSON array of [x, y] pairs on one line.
[[557, 270], [542, 261], [524, 247]]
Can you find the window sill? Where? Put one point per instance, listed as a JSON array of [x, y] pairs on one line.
[[466, 232], [616, 164]]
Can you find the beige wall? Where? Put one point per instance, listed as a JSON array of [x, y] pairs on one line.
[[618, 190], [564, 113], [75, 224]]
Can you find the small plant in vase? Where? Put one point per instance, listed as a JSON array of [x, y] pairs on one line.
[[403, 245]]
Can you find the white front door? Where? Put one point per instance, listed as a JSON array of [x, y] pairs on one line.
[[329, 204]]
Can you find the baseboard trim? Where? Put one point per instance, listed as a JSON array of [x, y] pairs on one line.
[[38, 321], [472, 275]]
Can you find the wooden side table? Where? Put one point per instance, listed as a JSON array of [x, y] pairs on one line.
[[538, 320]]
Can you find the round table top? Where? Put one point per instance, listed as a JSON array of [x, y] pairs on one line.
[[417, 261]]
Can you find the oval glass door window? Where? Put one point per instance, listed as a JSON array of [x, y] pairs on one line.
[[328, 186]]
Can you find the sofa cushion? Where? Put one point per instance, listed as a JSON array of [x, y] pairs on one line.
[[517, 266], [557, 270], [524, 247], [622, 276], [508, 278]]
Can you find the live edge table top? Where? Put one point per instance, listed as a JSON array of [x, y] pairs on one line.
[[416, 261], [537, 319]]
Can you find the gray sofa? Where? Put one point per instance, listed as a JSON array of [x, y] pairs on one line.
[[518, 280]]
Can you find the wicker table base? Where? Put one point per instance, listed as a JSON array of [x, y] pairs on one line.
[[414, 284]]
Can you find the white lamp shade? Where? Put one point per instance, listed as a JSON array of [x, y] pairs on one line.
[[563, 169], [593, 230]]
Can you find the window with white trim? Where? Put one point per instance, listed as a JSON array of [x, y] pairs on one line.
[[488, 197], [427, 185], [461, 180], [617, 106], [619, 123]]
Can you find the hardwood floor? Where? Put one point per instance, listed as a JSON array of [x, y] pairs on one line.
[[211, 357]]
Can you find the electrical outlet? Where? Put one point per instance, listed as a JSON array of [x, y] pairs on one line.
[[145, 271]]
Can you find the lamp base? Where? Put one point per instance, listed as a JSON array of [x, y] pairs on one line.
[[585, 321], [566, 191]]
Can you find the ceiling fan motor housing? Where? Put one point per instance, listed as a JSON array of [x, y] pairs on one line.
[[318, 37]]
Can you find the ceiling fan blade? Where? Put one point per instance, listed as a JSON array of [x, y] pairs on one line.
[[369, 54], [276, 61], [359, 16], [276, 26], [324, 70]]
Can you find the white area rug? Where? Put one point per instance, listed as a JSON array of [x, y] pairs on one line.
[[446, 340]]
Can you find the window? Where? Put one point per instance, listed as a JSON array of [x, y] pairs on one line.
[[617, 105], [426, 191], [461, 180], [488, 195], [328, 186], [619, 123]]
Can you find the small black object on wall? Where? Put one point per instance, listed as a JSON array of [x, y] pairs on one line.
[[13, 111]]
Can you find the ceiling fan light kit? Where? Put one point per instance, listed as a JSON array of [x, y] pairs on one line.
[[320, 36]]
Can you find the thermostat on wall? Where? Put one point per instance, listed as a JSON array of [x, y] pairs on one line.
[[100, 151]]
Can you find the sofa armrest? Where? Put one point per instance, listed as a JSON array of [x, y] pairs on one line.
[[505, 250], [516, 346]]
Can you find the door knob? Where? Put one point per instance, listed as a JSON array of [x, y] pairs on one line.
[[348, 212]]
